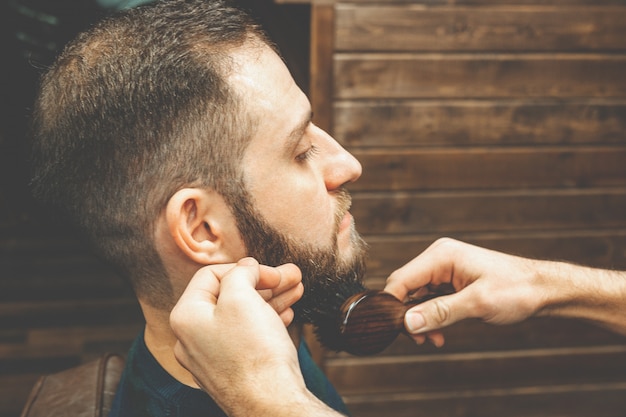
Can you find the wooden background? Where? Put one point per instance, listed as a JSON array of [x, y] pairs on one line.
[[502, 123], [497, 122]]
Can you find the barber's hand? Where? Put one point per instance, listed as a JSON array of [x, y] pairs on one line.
[[225, 325], [492, 286], [235, 344]]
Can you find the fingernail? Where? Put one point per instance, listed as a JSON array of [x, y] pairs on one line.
[[414, 321]]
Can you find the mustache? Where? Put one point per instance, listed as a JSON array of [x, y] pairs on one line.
[[344, 202]]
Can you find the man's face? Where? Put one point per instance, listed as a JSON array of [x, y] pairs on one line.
[[295, 208]]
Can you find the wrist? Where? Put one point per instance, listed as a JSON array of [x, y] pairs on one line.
[[565, 289], [288, 402], [553, 287], [573, 291], [276, 389]]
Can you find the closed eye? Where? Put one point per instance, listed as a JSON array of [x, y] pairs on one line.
[[305, 156]]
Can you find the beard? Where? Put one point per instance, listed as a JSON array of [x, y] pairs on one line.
[[328, 278]]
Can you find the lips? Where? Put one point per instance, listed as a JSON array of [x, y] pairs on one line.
[[346, 222], [343, 217]]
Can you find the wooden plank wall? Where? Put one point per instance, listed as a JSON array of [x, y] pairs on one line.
[[59, 306], [502, 123]]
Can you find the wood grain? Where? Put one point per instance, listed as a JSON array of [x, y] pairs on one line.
[[479, 371], [491, 168], [322, 42], [470, 2], [473, 336], [405, 76], [463, 123], [399, 27], [533, 210], [575, 400], [601, 248], [501, 123]]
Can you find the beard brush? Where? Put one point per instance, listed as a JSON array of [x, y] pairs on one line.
[[321, 307], [349, 317]]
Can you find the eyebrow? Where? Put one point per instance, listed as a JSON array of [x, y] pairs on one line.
[[294, 136]]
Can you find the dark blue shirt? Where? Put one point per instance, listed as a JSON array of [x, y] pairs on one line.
[[146, 389]]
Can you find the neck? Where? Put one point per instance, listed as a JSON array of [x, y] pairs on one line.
[[160, 341]]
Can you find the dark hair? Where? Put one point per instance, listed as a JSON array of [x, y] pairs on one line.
[[133, 110]]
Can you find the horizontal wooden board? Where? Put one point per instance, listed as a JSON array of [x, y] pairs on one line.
[[489, 168], [465, 2], [42, 364], [475, 336], [458, 2], [34, 314], [442, 213], [69, 341], [479, 122], [15, 390], [87, 335], [402, 27], [480, 370], [55, 268], [55, 285], [576, 400], [398, 75], [604, 249]]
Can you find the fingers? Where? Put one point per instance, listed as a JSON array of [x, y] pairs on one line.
[[434, 266], [440, 312], [284, 288], [285, 300], [204, 288], [279, 286], [436, 338], [248, 276], [206, 282], [278, 279], [225, 328], [286, 316], [201, 293], [289, 289]]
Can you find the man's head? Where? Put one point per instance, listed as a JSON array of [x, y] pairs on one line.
[[295, 208], [133, 110], [175, 136]]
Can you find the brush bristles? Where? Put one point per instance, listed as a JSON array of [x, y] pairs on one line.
[[322, 309]]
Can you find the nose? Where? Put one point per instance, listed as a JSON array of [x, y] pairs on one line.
[[340, 166]]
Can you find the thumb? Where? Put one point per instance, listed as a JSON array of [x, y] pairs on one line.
[[243, 279], [437, 313]]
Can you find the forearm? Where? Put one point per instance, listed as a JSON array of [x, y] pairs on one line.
[[504, 289], [270, 388], [573, 291]]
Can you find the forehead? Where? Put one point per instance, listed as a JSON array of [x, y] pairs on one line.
[[269, 93]]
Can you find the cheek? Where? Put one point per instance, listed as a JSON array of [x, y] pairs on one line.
[[299, 209]]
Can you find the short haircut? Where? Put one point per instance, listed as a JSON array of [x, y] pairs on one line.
[[133, 110]]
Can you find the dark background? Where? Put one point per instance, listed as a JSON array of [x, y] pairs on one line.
[[59, 304]]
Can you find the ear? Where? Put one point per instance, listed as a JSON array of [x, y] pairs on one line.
[[201, 225]]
